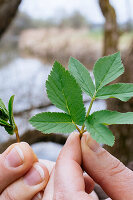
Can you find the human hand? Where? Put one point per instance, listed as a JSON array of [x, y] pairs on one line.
[[67, 181], [115, 179], [22, 177]]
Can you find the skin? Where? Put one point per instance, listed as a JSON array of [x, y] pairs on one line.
[[67, 180], [12, 182]]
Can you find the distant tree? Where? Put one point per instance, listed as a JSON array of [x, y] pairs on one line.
[[111, 32], [76, 20], [8, 9]]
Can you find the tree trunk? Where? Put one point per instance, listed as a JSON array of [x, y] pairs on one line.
[[111, 33], [123, 148], [8, 9]]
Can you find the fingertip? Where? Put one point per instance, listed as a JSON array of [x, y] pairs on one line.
[[29, 155], [72, 148], [88, 143], [73, 139], [19, 157], [84, 145], [27, 148], [16, 160], [73, 136], [85, 138]]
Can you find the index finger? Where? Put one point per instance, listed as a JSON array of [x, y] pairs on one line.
[[69, 181]]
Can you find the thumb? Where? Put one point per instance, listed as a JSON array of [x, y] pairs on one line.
[[115, 179]]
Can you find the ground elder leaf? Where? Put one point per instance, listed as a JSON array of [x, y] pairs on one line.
[[122, 91], [53, 122], [64, 92], [111, 117], [82, 76], [107, 69], [100, 133]]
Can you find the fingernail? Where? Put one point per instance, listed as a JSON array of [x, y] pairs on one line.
[[15, 157], [35, 175], [93, 145]]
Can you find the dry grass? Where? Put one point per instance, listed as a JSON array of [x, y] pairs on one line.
[[59, 44]]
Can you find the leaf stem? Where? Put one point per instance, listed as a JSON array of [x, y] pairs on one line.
[[17, 134], [76, 127], [88, 112], [91, 103]]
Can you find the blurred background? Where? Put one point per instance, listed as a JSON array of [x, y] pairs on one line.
[[35, 33]]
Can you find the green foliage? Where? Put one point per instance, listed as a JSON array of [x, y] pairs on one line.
[[53, 122], [9, 130], [4, 123], [10, 109], [64, 90], [65, 93], [6, 116], [111, 117], [100, 132], [3, 111], [82, 76], [107, 69], [122, 91]]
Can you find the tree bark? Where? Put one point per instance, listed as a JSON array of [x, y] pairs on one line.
[[123, 148], [111, 33], [8, 9]]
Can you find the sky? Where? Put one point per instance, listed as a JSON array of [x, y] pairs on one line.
[[42, 9]]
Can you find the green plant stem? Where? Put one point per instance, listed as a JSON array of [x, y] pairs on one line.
[[88, 112], [76, 126], [17, 134], [89, 109]]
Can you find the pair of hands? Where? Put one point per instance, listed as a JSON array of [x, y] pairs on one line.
[[23, 177]]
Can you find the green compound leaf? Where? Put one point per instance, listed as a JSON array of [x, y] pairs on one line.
[[111, 117], [10, 130], [82, 76], [124, 98], [7, 126], [10, 109], [122, 91], [53, 122], [107, 69], [3, 111], [4, 123], [65, 93], [100, 133]]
